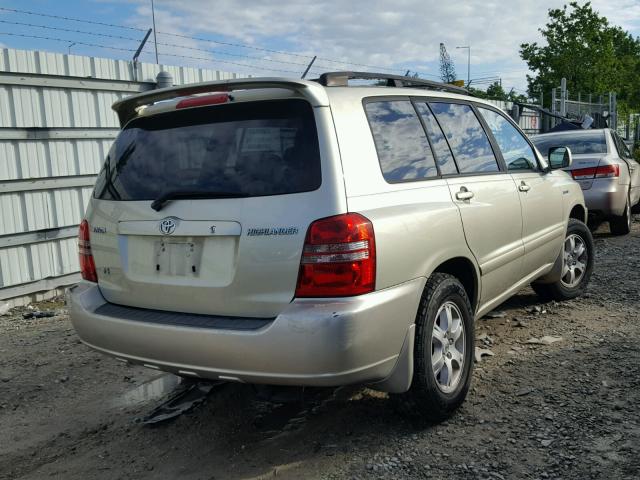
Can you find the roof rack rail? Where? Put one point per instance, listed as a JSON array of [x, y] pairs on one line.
[[341, 79]]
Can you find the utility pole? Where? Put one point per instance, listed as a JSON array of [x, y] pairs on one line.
[[155, 39], [468, 47]]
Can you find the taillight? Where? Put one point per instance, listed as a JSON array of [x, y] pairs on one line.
[[339, 258], [603, 171], [607, 171], [583, 173], [87, 264]]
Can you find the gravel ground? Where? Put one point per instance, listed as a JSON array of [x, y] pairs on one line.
[[566, 409]]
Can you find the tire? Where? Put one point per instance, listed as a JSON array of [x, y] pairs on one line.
[[567, 288], [429, 398], [621, 225]]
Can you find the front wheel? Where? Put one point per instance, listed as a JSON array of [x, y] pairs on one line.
[[443, 352], [577, 265]]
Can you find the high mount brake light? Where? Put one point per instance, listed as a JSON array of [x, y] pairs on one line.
[[87, 264], [339, 258], [203, 100]]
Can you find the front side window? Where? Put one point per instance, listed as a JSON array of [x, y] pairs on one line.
[[402, 145], [516, 151], [468, 140]]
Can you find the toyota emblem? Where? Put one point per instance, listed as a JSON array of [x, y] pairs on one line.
[[167, 226]]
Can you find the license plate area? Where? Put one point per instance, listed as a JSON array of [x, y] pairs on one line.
[[177, 257]]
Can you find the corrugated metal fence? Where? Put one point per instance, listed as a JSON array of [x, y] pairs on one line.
[[56, 125], [530, 121]]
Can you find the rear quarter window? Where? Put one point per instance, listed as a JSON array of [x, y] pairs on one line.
[[403, 149]]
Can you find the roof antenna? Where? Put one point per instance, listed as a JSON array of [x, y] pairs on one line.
[[137, 54], [308, 67]]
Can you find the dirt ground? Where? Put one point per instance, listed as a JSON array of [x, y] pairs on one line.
[[569, 409]]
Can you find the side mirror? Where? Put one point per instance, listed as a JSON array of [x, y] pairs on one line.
[[560, 157]]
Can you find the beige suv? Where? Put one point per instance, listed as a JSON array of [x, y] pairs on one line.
[[293, 232]]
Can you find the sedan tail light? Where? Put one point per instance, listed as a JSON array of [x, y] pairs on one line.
[[339, 258], [87, 264], [607, 171], [603, 171]]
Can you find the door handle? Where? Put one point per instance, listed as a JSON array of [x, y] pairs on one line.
[[464, 194], [524, 187]]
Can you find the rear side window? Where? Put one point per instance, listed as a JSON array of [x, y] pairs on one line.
[[402, 145], [438, 142], [621, 147], [250, 149], [516, 151], [467, 138]]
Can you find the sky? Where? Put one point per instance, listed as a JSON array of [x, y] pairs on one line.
[[279, 38]]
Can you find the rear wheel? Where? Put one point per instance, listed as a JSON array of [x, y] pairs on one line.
[[443, 353], [577, 265], [621, 225]]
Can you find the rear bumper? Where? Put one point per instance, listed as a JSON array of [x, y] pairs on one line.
[[315, 342], [606, 197]]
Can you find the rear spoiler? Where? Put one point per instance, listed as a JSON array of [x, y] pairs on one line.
[[127, 107]]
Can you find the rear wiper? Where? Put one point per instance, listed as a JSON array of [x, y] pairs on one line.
[[162, 200]]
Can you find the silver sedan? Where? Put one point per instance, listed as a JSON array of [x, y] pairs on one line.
[[604, 168]]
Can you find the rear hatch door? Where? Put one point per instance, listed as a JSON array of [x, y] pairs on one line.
[[235, 186]]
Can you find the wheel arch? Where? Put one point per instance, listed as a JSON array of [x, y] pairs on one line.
[[579, 213], [466, 272]]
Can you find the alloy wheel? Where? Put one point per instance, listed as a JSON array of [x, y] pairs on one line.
[[575, 257], [448, 347]]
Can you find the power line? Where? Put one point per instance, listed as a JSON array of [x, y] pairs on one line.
[[324, 59], [210, 60], [67, 41], [238, 45], [71, 19]]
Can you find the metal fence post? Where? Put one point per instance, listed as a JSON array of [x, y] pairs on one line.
[[613, 110], [563, 97]]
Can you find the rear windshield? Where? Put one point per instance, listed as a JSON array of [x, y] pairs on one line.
[[249, 149], [582, 142]]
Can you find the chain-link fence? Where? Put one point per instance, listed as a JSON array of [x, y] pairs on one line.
[[602, 108]]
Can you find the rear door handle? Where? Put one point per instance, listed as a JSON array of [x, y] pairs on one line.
[[464, 194], [524, 187]]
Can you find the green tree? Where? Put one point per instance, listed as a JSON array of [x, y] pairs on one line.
[[496, 91], [581, 46]]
